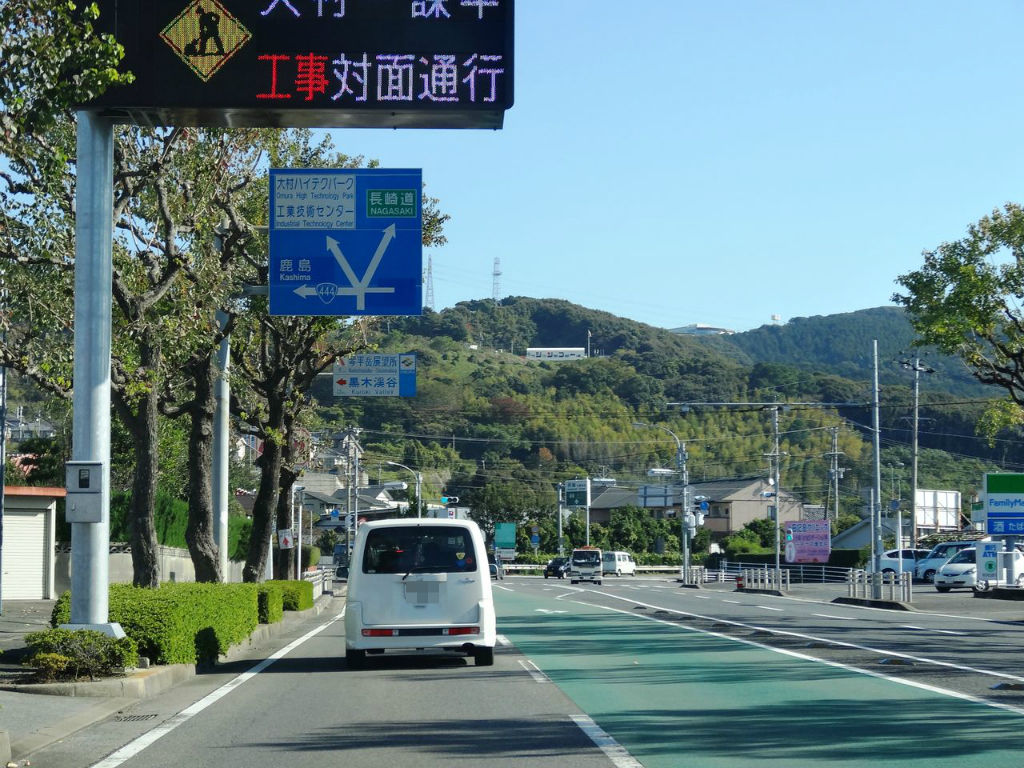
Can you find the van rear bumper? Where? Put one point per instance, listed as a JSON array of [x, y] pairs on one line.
[[413, 636]]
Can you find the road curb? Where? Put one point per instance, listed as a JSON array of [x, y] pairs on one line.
[[889, 605], [146, 683], [5, 747]]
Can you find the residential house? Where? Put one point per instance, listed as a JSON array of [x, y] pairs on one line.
[[731, 504]]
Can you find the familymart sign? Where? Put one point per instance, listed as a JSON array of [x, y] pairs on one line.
[[1004, 504]]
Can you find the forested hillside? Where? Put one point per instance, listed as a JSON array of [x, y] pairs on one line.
[[492, 427], [842, 344]]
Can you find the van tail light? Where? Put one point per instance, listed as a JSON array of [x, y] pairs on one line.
[[462, 631], [380, 633]]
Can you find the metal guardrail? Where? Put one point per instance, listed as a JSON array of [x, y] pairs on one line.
[[880, 586], [321, 578], [764, 578]]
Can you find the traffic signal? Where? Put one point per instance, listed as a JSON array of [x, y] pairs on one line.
[[700, 508], [789, 534], [449, 499]]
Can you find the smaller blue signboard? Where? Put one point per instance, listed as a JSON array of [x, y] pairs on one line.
[[1005, 523], [375, 375]]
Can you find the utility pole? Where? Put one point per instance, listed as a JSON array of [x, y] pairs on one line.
[[776, 480], [876, 500], [835, 473], [917, 367], [776, 453], [561, 498]]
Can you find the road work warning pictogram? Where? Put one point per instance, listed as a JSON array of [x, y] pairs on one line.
[[205, 36]]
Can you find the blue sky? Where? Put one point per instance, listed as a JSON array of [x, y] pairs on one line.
[[674, 161]]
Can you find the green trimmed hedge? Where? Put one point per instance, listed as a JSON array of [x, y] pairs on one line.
[[271, 602], [66, 654], [179, 623], [298, 595]]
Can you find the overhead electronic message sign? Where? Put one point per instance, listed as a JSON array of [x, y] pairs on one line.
[[313, 63], [345, 241]]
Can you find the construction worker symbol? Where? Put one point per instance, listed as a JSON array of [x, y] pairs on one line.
[[209, 31], [205, 36]]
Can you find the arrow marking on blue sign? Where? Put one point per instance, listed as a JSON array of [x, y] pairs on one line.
[[358, 287]]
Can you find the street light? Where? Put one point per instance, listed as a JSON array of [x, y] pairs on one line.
[[419, 485], [683, 517]]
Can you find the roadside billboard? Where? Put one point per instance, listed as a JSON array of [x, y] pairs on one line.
[[808, 541]]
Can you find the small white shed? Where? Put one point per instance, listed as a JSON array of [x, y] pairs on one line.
[[27, 557]]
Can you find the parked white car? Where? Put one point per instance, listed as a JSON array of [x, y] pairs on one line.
[[890, 561], [961, 572], [940, 554]]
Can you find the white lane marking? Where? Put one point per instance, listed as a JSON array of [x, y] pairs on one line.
[[833, 616], [733, 602], [937, 631], [133, 748], [547, 610], [502, 586], [836, 664], [534, 670], [503, 641], [803, 636], [613, 750], [768, 607]]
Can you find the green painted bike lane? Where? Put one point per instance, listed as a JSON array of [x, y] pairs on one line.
[[675, 697]]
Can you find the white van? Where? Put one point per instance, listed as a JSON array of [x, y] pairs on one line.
[[419, 583], [618, 563], [927, 567]]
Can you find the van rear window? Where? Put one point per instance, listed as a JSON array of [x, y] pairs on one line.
[[420, 548]]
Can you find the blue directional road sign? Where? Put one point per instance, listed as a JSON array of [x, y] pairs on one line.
[[346, 241]]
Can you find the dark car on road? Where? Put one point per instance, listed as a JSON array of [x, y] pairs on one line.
[[556, 567]]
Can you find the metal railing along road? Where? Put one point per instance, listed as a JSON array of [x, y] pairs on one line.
[[321, 578], [796, 573], [880, 586]]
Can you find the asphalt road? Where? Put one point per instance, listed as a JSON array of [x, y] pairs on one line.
[[308, 709], [637, 672], [724, 679]]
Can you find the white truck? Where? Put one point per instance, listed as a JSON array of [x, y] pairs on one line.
[[585, 565]]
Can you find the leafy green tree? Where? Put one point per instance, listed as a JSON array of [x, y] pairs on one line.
[[53, 59], [965, 300]]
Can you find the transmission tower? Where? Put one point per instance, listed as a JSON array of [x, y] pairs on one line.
[[496, 287], [428, 281]]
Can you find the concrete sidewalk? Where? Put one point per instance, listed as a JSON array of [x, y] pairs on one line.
[[34, 716]]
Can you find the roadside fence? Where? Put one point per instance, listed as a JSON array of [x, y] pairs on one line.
[[880, 586], [322, 579]]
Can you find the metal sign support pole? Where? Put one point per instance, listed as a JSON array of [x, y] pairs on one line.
[[90, 542], [221, 441]]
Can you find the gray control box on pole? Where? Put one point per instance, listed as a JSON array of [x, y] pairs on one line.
[[84, 484]]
